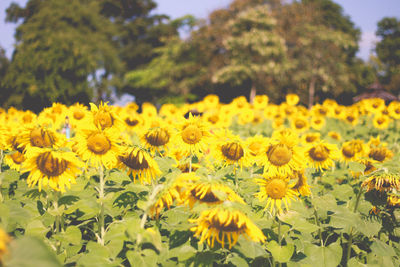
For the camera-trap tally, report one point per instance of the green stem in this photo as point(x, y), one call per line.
point(319, 226)
point(190, 163)
point(350, 243)
point(101, 198)
point(236, 178)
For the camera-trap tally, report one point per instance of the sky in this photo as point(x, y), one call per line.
point(364, 13)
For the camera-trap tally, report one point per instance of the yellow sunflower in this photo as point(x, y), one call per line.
point(210, 192)
point(277, 191)
point(380, 154)
point(299, 124)
point(157, 138)
point(393, 201)
point(301, 185)
point(230, 149)
point(14, 160)
point(354, 149)
point(4, 241)
point(104, 117)
point(97, 147)
point(138, 163)
point(260, 102)
point(192, 136)
point(282, 155)
point(255, 145)
point(334, 135)
point(381, 121)
point(394, 110)
point(321, 155)
point(317, 122)
point(43, 137)
point(292, 99)
point(309, 138)
point(369, 167)
point(225, 225)
point(54, 168)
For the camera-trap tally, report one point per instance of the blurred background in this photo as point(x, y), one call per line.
point(174, 51)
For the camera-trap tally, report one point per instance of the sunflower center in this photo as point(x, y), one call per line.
point(222, 226)
point(136, 162)
point(232, 151)
point(78, 114)
point(276, 188)
point(350, 118)
point(191, 134)
point(319, 153)
point(209, 197)
point(158, 137)
point(279, 154)
point(213, 119)
point(41, 138)
point(104, 119)
point(299, 124)
point(311, 138)
point(131, 121)
point(348, 151)
point(380, 121)
point(51, 166)
point(17, 157)
point(98, 143)
point(378, 154)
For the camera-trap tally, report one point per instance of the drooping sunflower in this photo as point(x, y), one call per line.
point(369, 167)
point(97, 147)
point(225, 225)
point(192, 136)
point(139, 163)
point(382, 182)
point(277, 191)
point(393, 201)
point(43, 137)
point(209, 192)
point(380, 154)
point(230, 149)
point(354, 149)
point(54, 168)
point(283, 155)
point(321, 155)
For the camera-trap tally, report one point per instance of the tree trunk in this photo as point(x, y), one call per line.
point(253, 92)
point(311, 92)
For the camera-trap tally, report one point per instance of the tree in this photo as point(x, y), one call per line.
point(388, 52)
point(255, 52)
point(62, 46)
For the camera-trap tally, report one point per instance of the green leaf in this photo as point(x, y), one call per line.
point(238, 261)
point(329, 256)
point(73, 235)
point(249, 249)
point(325, 203)
point(342, 191)
point(382, 249)
point(135, 259)
point(368, 228)
point(183, 252)
point(9, 176)
point(356, 166)
point(300, 224)
point(36, 228)
point(118, 177)
point(344, 219)
point(96, 256)
point(30, 251)
point(280, 253)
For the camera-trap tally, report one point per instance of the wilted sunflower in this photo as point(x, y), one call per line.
point(157, 139)
point(210, 192)
point(192, 136)
point(4, 241)
point(139, 163)
point(393, 201)
point(277, 191)
point(321, 155)
point(229, 149)
point(55, 168)
point(282, 155)
point(382, 182)
point(225, 225)
point(97, 147)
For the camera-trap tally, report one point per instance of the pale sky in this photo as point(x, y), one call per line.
point(364, 13)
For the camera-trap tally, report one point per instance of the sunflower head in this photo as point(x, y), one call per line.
point(157, 138)
point(225, 225)
point(292, 99)
point(139, 163)
point(382, 182)
point(380, 154)
point(321, 155)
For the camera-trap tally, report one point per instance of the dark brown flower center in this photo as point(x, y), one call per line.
point(51, 166)
point(232, 151)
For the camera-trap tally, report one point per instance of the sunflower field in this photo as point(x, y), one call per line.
point(202, 184)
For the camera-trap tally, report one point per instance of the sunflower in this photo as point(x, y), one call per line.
point(210, 193)
point(260, 102)
point(382, 182)
point(299, 124)
point(97, 147)
point(157, 138)
point(14, 160)
point(43, 137)
point(374, 105)
point(282, 155)
point(380, 154)
point(104, 117)
point(139, 163)
point(354, 149)
point(245, 116)
point(277, 191)
point(225, 224)
point(369, 167)
point(321, 155)
point(229, 149)
point(317, 122)
point(334, 135)
point(192, 136)
point(255, 145)
point(4, 241)
point(211, 101)
point(394, 110)
point(381, 121)
point(301, 185)
point(309, 138)
point(78, 115)
point(292, 99)
point(55, 168)
point(393, 201)
point(351, 117)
